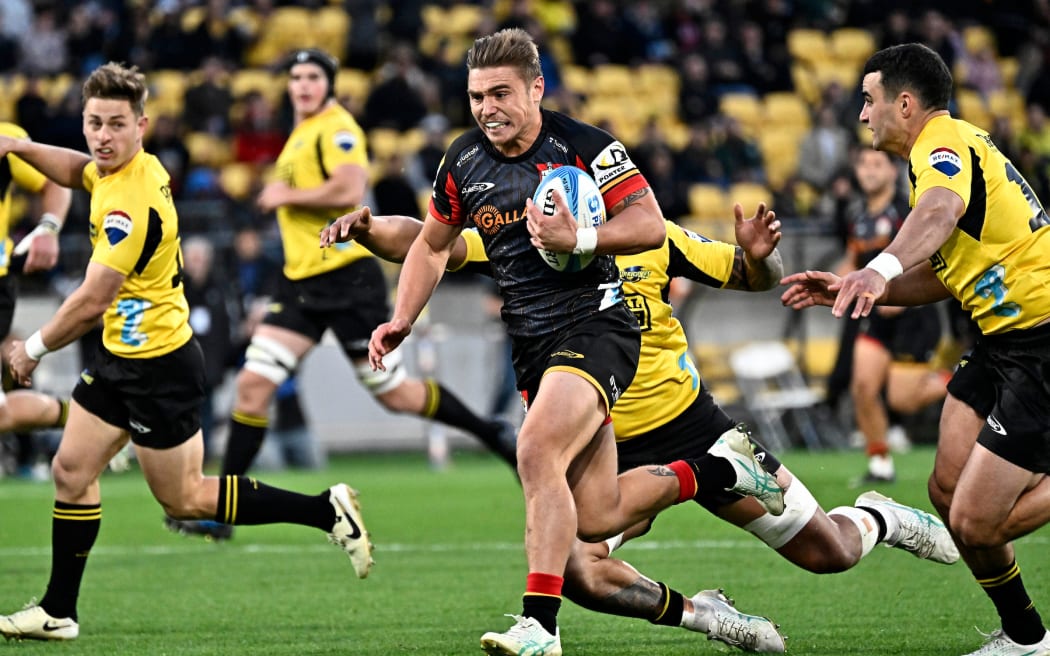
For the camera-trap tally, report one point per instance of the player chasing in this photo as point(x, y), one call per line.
point(147, 384)
point(666, 414)
point(976, 232)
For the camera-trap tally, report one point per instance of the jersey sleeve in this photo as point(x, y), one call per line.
point(26, 176)
point(941, 159)
point(698, 258)
point(130, 235)
point(611, 166)
point(445, 204)
point(89, 176)
point(477, 261)
point(341, 144)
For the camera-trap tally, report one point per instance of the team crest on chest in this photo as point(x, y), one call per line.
point(117, 226)
point(946, 160)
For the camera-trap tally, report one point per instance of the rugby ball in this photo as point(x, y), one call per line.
point(580, 192)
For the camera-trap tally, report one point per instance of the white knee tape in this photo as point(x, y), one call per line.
point(865, 523)
point(799, 508)
point(270, 359)
point(379, 382)
point(614, 543)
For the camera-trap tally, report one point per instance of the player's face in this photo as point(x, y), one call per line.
point(307, 88)
point(113, 132)
point(875, 172)
point(880, 114)
point(506, 107)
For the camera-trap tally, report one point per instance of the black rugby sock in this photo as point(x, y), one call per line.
point(74, 529)
point(246, 501)
point(247, 433)
point(1021, 621)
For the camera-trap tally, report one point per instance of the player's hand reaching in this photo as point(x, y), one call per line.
point(347, 227)
point(22, 366)
point(864, 286)
point(385, 338)
point(760, 234)
point(809, 288)
point(556, 232)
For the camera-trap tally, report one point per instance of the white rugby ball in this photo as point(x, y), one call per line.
point(580, 192)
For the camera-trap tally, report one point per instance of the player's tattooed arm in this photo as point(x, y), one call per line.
point(631, 199)
point(753, 275)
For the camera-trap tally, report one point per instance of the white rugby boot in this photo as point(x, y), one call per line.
point(997, 644)
point(752, 479)
point(526, 638)
point(714, 614)
point(911, 529)
point(349, 531)
point(34, 623)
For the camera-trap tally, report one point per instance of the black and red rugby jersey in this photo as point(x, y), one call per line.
point(476, 184)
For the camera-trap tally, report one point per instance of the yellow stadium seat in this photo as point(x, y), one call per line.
point(846, 73)
point(236, 179)
point(805, 82)
point(808, 45)
point(852, 44)
point(463, 19)
point(658, 80)
point(1008, 68)
point(167, 90)
point(785, 108)
point(780, 154)
point(613, 80)
point(972, 108)
point(978, 37)
point(707, 201)
point(331, 26)
point(255, 79)
point(744, 107)
point(207, 149)
point(383, 142)
point(577, 79)
point(749, 195)
point(354, 83)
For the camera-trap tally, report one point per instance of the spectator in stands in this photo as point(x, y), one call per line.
point(645, 30)
point(65, 122)
point(207, 104)
point(765, 69)
point(697, 101)
point(604, 39)
point(210, 317)
point(980, 71)
point(697, 161)
point(84, 39)
point(257, 139)
point(738, 153)
point(363, 39)
point(396, 100)
point(824, 150)
point(724, 59)
point(938, 33)
point(897, 28)
point(167, 42)
point(216, 35)
point(42, 48)
point(31, 109)
point(166, 144)
point(392, 191)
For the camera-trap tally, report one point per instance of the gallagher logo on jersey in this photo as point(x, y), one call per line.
point(117, 226)
point(947, 161)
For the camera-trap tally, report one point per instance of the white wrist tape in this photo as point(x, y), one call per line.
point(586, 241)
point(35, 348)
point(888, 266)
point(49, 224)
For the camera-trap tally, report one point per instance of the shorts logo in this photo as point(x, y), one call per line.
point(138, 428)
point(345, 141)
point(994, 424)
point(572, 355)
point(117, 226)
point(946, 160)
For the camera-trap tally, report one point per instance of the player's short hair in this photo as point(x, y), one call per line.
point(913, 67)
point(115, 81)
point(328, 63)
point(509, 47)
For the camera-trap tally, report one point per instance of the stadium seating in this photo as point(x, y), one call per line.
point(809, 46)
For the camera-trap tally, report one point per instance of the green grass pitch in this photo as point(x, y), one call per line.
point(450, 563)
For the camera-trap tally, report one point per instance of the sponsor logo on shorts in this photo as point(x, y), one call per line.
point(995, 425)
point(572, 355)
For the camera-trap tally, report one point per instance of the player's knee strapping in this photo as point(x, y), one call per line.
point(379, 381)
point(799, 508)
point(270, 359)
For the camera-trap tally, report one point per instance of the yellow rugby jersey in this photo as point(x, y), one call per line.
point(997, 260)
point(667, 380)
point(134, 230)
point(317, 146)
point(13, 170)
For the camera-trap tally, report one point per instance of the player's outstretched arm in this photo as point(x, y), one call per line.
point(63, 165)
point(388, 236)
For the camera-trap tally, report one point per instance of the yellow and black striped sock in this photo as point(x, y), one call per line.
point(444, 406)
point(74, 528)
point(1021, 621)
point(247, 433)
point(246, 501)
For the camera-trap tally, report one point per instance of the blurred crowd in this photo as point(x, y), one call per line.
point(219, 115)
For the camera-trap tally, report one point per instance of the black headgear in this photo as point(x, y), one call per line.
point(328, 64)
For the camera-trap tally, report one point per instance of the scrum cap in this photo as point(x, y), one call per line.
point(328, 64)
